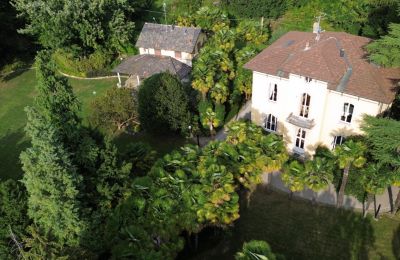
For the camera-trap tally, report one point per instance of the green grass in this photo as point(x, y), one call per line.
point(162, 144)
point(300, 230)
point(18, 91)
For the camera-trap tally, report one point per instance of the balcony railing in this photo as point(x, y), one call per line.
point(300, 121)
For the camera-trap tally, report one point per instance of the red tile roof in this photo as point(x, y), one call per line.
point(352, 74)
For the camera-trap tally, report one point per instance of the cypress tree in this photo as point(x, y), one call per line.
point(51, 178)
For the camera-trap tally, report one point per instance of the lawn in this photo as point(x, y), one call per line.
point(299, 230)
point(18, 91)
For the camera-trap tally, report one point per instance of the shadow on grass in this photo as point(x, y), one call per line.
point(296, 229)
point(396, 243)
point(11, 75)
point(11, 146)
point(162, 143)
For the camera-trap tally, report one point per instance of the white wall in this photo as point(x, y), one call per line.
point(332, 124)
point(326, 107)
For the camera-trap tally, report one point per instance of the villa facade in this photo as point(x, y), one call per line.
point(314, 88)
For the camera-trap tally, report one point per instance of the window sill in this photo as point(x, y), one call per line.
point(298, 150)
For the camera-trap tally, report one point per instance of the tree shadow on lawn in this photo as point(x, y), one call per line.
point(11, 146)
point(396, 243)
point(297, 229)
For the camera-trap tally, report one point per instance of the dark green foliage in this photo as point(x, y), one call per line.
point(384, 139)
point(386, 51)
point(78, 26)
point(164, 104)
point(12, 45)
point(51, 177)
point(116, 110)
point(111, 178)
point(56, 102)
point(189, 190)
point(51, 180)
point(256, 8)
point(13, 220)
point(141, 156)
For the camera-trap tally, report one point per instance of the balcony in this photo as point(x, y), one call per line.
point(300, 121)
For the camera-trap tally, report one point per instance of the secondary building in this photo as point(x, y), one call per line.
point(162, 48)
point(314, 88)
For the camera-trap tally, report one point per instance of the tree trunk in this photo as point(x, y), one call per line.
point(196, 242)
point(212, 131)
point(396, 203)
point(370, 199)
point(290, 195)
point(343, 186)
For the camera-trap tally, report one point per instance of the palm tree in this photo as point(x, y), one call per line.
point(294, 176)
point(349, 154)
point(255, 250)
point(320, 173)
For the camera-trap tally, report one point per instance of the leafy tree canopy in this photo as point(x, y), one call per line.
point(386, 51)
point(116, 110)
point(164, 104)
point(79, 26)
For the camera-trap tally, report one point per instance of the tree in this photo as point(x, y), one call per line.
point(350, 153)
point(374, 178)
point(81, 27)
point(14, 219)
point(386, 51)
point(51, 178)
point(256, 9)
point(256, 250)
point(52, 182)
point(210, 118)
point(294, 176)
point(164, 104)
point(116, 110)
point(384, 142)
point(320, 173)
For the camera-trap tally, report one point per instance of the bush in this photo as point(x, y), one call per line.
point(116, 110)
point(96, 64)
point(164, 104)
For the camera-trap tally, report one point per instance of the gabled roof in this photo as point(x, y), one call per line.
point(147, 65)
point(352, 74)
point(168, 37)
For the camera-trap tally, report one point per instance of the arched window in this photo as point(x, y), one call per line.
point(347, 112)
point(337, 140)
point(271, 123)
point(305, 105)
point(273, 92)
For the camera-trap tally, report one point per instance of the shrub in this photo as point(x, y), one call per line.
point(164, 104)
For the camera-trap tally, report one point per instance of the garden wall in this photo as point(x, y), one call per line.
point(329, 196)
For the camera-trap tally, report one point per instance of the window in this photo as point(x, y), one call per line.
point(271, 123)
point(337, 140)
point(347, 112)
point(300, 138)
point(157, 52)
point(178, 55)
point(308, 79)
point(274, 93)
point(305, 105)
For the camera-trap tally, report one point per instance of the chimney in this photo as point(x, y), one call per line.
point(341, 52)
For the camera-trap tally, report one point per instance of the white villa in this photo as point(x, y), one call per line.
point(314, 88)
